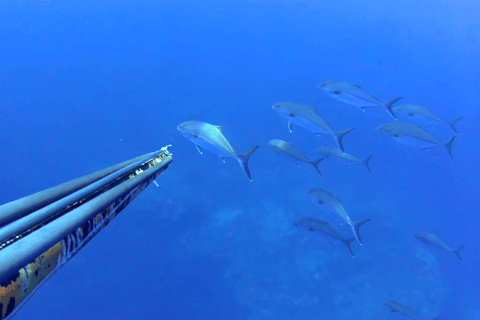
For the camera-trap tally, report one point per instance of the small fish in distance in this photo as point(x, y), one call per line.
point(312, 224)
point(288, 151)
point(424, 116)
point(329, 152)
point(415, 136)
point(307, 117)
point(354, 95)
point(402, 309)
point(330, 202)
point(434, 241)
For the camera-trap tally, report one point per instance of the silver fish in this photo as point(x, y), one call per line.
point(400, 308)
point(413, 135)
point(332, 204)
point(329, 152)
point(312, 224)
point(433, 240)
point(422, 115)
point(288, 151)
point(354, 95)
point(307, 117)
point(211, 137)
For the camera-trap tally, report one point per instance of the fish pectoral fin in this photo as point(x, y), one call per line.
point(199, 149)
point(219, 128)
point(337, 92)
point(396, 135)
point(290, 126)
point(223, 159)
point(292, 115)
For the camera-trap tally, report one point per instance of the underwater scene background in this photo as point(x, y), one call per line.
point(88, 84)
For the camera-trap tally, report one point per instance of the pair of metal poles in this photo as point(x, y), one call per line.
point(41, 232)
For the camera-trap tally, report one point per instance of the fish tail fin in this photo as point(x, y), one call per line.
point(356, 229)
point(339, 137)
point(315, 164)
point(348, 243)
point(448, 145)
point(366, 162)
point(389, 105)
point(451, 123)
point(457, 252)
point(243, 160)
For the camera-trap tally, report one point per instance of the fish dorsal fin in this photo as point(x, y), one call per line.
point(223, 159)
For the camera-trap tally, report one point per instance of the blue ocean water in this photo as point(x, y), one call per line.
point(88, 84)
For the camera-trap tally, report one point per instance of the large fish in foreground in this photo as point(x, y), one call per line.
point(400, 308)
point(332, 204)
point(413, 135)
point(433, 240)
point(211, 137)
point(307, 117)
point(312, 224)
point(329, 152)
point(422, 115)
point(354, 95)
point(288, 151)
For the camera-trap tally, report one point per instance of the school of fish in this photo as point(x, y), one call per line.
point(211, 137)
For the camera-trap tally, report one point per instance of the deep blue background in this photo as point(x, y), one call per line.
point(78, 76)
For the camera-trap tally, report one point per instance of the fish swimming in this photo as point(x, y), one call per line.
point(400, 308)
point(433, 240)
point(422, 115)
point(211, 137)
point(307, 117)
point(329, 152)
point(413, 135)
point(354, 95)
point(332, 204)
point(288, 151)
point(312, 224)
